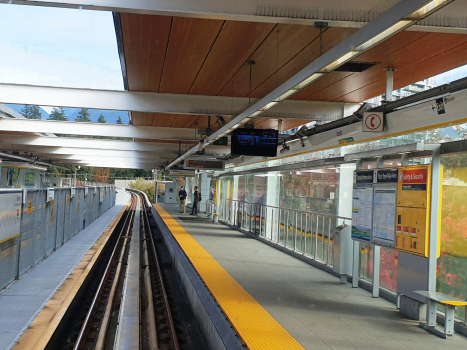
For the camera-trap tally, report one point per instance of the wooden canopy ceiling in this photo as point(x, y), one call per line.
point(209, 57)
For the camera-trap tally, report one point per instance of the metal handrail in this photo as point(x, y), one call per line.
point(301, 211)
point(308, 233)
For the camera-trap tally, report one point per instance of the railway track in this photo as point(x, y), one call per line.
point(132, 297)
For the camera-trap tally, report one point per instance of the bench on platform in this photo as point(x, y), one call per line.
point(450, 304)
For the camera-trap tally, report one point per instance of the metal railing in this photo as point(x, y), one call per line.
point(47, 225)
point(308, 233)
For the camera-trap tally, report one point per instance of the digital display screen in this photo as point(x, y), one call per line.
point(204, 164)
point(254, 142)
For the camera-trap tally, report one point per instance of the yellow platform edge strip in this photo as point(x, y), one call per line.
point(44, 325)
point(254, 325)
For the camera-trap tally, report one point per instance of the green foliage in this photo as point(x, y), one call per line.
point(58, 113)
point(164, 175)
point(143, 185)
point(31, 112)
point(83, 116)
point(119, 120)
point(102, 119)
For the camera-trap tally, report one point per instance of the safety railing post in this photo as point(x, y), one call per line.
point(329, 241)
point(316, 237)
point(295, 231)
point(305, 233)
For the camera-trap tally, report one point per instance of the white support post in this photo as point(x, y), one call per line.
point(389, 83)
point(21, 178)
point(356, 247)
point(37, 179)
point(377, 250)
point(433, 239)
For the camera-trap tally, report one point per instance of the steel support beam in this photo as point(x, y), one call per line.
point(353, 14)
point(95, 129)
point(387, 24)
point(15, 142)
point(166, 103)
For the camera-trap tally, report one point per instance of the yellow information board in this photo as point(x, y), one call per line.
point(414, 208)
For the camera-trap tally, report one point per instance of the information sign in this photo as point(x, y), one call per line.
point(362, 205)
point(10, 218)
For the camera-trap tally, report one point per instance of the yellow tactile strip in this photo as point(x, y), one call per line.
point(255, 326)
point(43, 327)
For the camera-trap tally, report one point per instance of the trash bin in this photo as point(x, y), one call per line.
point(343, 249)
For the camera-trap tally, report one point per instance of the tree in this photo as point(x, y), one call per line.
point(31, 112)
point(143, 185)
point(102, 119)
point(58, 113)
point(119, 120)
point(83, 116)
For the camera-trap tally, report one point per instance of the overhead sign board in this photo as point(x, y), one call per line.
point(204, 164)
point(182, 172)
point(373, 121)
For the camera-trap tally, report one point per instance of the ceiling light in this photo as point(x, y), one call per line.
point(269, 106)
point(425, 10)
point(384, 35)
point(308, 81)
point(286, 95)
point(341, 60)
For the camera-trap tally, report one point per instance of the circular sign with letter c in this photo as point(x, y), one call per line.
point(373, 121)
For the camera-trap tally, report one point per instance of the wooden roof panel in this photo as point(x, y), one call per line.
point(281, 45)
point(331, 37)
point(235, 44)
point(190, 41)
point(145, 41)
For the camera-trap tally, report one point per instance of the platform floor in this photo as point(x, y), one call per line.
point(25, 298)
point(309, 303)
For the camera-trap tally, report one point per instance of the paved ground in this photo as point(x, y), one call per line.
point(24, 299)
point(311, 304)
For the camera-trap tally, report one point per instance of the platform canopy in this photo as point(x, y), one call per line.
point(186, 63)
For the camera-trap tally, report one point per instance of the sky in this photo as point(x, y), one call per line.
point(58, 47)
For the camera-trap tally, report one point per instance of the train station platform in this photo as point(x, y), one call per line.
point(24, 299)
point(275, 301)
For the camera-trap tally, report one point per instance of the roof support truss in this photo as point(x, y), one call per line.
point(166, 103)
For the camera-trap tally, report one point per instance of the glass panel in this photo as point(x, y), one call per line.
point(366, 261)
point(452, 264)
point(388, 268)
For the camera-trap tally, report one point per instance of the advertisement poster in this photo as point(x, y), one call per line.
point(259, 189)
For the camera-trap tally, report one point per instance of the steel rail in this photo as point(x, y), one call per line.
point(160, 282)
point(85, 327)
point(108, 309)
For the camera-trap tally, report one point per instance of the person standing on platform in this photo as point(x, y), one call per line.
point(196, 200)
point(182, 196)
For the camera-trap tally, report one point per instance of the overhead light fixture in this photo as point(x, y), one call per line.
point(427, 9)
point(285, 148)
point(286, 95)
point(395, 28)
point(268, 106)
point(308, 81)
point(341, 60)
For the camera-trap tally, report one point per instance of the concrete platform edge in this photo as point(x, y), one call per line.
point(217, 330)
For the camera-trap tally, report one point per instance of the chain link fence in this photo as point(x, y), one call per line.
point(47, 225)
